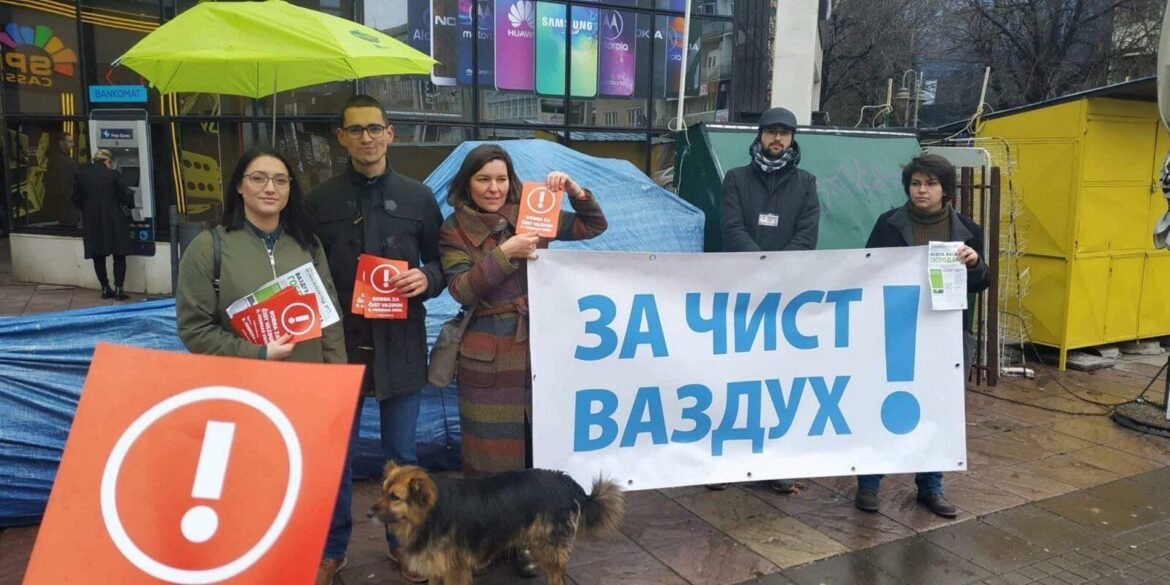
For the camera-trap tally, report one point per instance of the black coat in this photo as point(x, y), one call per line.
point(100, 193)
point(894, 230)
point(394, 217)
point(791, 197)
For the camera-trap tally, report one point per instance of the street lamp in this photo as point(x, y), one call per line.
point(910, 93)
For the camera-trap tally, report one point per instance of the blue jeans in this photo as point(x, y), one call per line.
point(341, 524)
point(929, 482)
point(399, 420)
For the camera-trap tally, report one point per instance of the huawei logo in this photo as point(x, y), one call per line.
point(613, 25)
point(523, 12)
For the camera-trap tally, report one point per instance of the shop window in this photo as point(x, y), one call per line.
point(42, 162)
point(704, 86)
point(108, 33)
point(41, 64)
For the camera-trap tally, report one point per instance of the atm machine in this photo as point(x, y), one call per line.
point(126, 133)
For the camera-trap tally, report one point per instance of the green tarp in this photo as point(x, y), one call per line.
point(858, 175)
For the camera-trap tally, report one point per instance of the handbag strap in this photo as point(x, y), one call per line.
point(216, 265)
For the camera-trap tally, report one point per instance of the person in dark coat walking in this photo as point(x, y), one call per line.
point(770, 205)
point(100, 194)
point(372, 209)
point(927, 217)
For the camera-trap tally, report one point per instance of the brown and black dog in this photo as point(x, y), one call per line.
point(449, 527)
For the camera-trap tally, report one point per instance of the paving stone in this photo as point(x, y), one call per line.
point(1071, 578)
point(917, 560)
point(840, 570)
point(713, 559)
point(1043, 528)
point(785, 541)
point(634, 569)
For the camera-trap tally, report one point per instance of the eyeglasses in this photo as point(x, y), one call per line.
point(260, 179)
point(375, 130)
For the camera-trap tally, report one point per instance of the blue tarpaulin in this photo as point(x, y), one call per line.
point(44, 358)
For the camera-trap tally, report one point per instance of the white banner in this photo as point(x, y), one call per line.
point(662, 370)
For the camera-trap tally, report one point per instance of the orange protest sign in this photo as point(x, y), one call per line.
point(379, 296)
point(197, 469)
point(540, 210)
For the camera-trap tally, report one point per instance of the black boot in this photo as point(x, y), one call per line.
point(525, 564)
point(120, 294)
point(107, 292)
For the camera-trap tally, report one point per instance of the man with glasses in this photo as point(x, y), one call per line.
point(769, 204)
point(372, 209)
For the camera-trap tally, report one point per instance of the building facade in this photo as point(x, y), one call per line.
point(603, 77)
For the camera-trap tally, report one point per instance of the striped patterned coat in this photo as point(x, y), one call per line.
point(494, 374)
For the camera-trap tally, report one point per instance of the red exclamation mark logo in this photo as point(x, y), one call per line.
point(200, 523)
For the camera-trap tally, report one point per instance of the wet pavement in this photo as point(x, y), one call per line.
point(1056, 494)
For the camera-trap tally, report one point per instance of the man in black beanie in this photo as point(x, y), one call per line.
point(770, 205)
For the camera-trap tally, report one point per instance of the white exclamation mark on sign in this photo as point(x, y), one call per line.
point(386, 278)
point(540, 201)
point(200, 522)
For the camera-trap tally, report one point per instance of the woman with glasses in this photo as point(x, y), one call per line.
point(264, 233)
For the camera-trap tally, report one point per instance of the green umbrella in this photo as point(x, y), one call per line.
point(256, 49)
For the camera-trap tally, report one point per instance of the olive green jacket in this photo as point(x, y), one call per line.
point(245, 266)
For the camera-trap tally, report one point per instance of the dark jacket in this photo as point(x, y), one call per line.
point(245, 266)
point(893, 230)
point(749, 194)
point(99, 193)
point(394, 217)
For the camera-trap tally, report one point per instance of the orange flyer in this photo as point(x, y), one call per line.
point(183, 468)
point(287, 311)
point(358, 305)
point(379, 296)
point(540, 210)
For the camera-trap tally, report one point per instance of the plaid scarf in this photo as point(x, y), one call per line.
point(790, 157)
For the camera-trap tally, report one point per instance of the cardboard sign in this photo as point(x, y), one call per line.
point(540, 210)
point(287, 311)
point(378, 297)
point(197, 469)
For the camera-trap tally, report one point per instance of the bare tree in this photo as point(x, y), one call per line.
point(865, 43)
point(1041, 49)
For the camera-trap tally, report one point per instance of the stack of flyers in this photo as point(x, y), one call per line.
point(540, 210)
point(286, 312)
point(305, 280)
point(373, 295)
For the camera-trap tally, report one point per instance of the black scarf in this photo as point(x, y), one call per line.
point(790, 158)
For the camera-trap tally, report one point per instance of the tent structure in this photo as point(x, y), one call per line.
point(858, 175)
point(44, 358)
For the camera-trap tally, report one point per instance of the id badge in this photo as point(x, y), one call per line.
point(769, 219)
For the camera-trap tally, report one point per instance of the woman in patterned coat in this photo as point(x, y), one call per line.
point(485, 262)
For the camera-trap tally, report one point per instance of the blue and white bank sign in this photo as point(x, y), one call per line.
point(662, 370)
point(117, 93)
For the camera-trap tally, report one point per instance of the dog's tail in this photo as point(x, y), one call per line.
point(603, 511)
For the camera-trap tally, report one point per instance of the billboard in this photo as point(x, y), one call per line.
point(526, 46)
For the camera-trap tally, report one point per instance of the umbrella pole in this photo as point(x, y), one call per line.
point(273, 132)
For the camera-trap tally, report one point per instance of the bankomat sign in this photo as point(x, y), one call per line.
point(34, 54)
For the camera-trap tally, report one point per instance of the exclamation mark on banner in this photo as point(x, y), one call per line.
point(200, 522)
point(900, 410)
point(540, 200)
point(386, 278)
